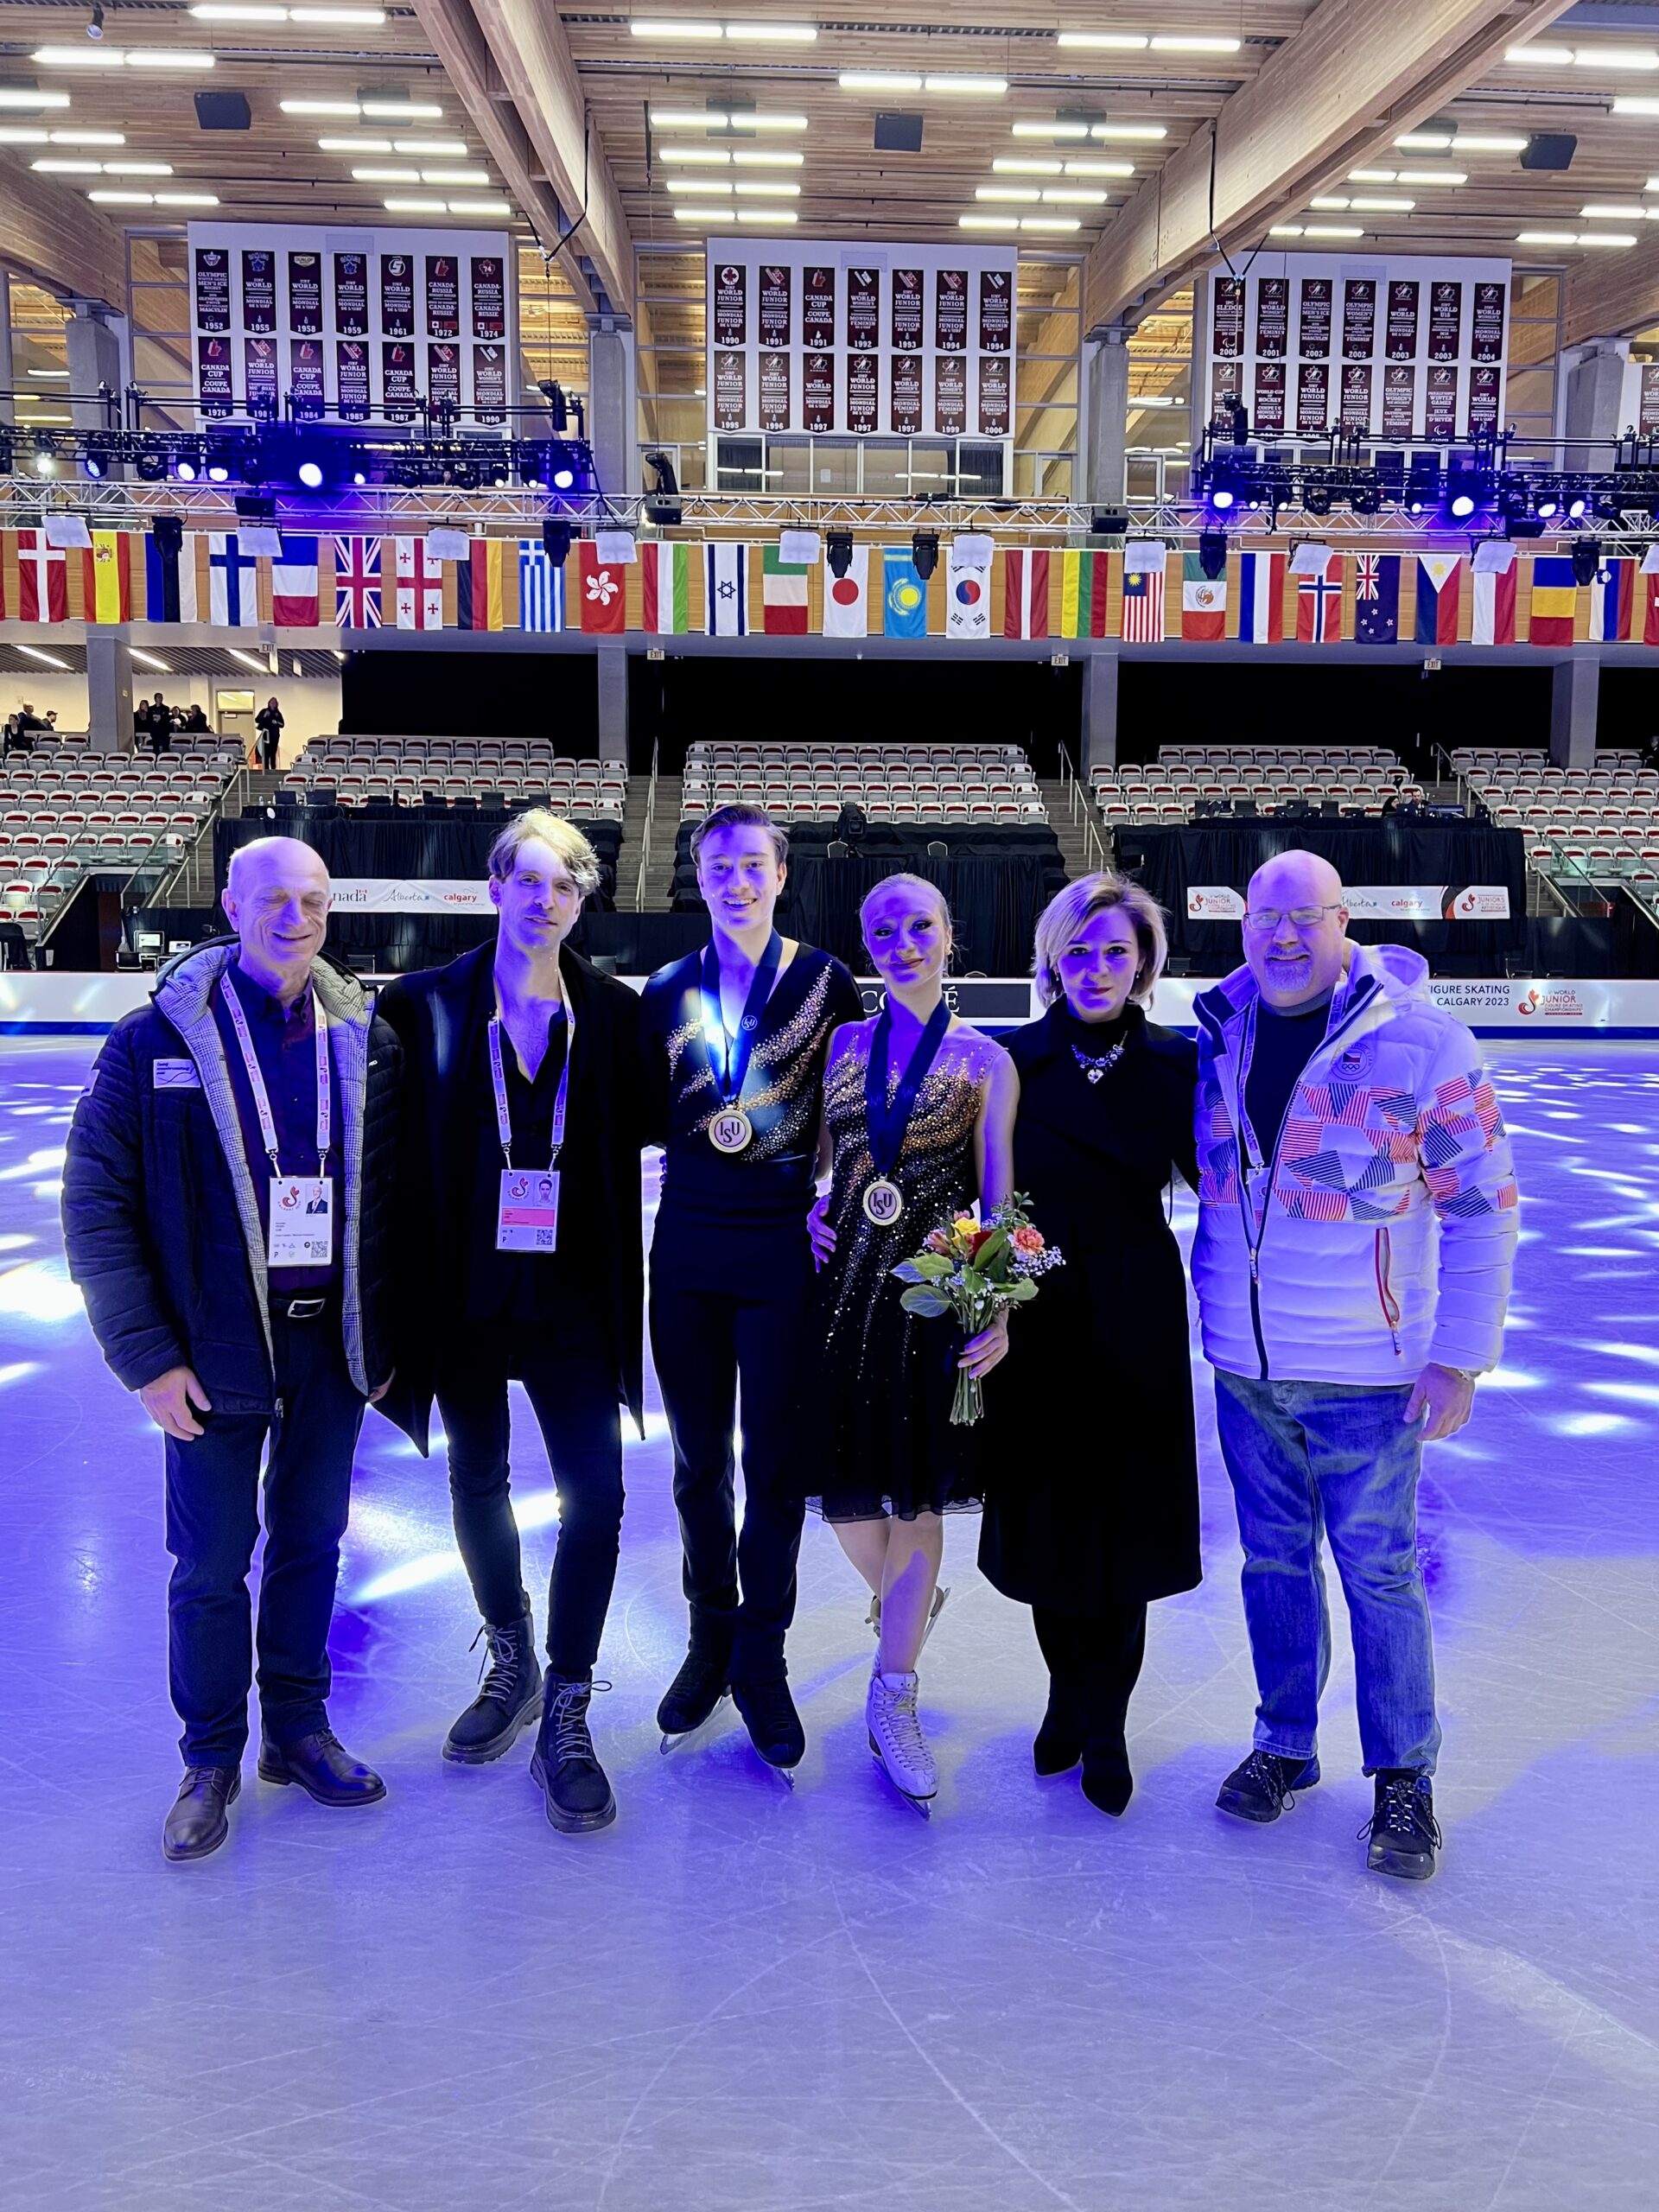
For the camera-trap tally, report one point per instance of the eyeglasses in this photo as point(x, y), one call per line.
point(1262, 919)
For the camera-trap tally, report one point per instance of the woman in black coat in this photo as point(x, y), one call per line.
point(1097, 1512)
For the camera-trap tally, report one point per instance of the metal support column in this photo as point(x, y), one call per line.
point(1574, 688)
point(109, 688)
point(1098, 748)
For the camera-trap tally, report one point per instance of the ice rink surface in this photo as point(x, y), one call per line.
point(739, 1999)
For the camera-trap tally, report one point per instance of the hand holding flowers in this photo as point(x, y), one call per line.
point(975, 1272)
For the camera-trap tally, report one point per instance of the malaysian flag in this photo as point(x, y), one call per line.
point(357, 583)
point(1143, 609)
point(541, 587)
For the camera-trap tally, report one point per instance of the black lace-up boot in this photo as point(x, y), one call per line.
point(509, 1695)
point(1264, 1785)
point(774, 1726)
point(702, 1680)
point(565, 1766)
point(1402, 1830)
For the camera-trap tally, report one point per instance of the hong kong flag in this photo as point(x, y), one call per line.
point(600, 593)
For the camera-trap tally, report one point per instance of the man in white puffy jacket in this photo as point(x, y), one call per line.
point(1356, 1231)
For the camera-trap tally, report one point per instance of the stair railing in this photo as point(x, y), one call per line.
point(645, 840)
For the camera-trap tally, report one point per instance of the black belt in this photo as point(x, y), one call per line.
point(311, 1308)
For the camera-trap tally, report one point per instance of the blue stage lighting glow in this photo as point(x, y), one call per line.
point(185, 470)
point(1575, 508)
point(311, 475)
point(1463, 505)
point(93, 466)
point(564, 479)
point(217, 472)
point(1221, 500)
point(1545, 508)
point(16, 1370)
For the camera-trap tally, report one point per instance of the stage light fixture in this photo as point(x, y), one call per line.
point(1316, 496)
point(310, 475)
point(1577, 507)
point(1212, 553)
point(662, 500)
point(1462, 505)
point(1586, 559)
point(1222, 497)
point(152, 466)
point(924, 552)
point(1423, 483)
point(1367, 498)
point(1549, 506)
point(838, 551)
point(187, 463)
point(555, 540)
point(1108, 522)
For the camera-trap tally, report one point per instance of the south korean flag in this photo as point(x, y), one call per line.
point(968, 587)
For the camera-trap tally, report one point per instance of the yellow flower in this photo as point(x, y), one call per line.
point(964, 1224)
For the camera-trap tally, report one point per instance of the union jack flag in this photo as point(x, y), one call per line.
point(1367, 584)
point(357, 583)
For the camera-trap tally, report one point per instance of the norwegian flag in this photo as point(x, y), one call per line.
point(420, 588)
point(357, 583)
point(1318, 608)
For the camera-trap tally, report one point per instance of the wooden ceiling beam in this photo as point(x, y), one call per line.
point(1612, 298)
point(53, 235)
point(1335, 95)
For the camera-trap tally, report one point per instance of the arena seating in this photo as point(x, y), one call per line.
point(1602, 821)
point(66, 809)
point(429, 771)
point(964, 785)
point(1183, 776)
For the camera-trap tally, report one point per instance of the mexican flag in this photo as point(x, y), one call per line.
point(1203, 601)
point(783, 594)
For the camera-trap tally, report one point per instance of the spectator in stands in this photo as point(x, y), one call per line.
point(156, 724)
point(269, 722)
point(20, 729)
point(256, 1081)
point(1105, 1120)
point(1340, 1115)
point(196, 719)
point(734, 1039)
point(524, 1262)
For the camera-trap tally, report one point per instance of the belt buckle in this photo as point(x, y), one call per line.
point(305, 1309)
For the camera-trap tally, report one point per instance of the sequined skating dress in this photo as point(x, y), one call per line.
point(877, 1427)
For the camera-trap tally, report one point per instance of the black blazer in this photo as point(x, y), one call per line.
point(441, 1014)
point(1099, 1500)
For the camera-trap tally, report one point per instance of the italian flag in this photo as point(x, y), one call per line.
point(783, 594)
point(666, 587)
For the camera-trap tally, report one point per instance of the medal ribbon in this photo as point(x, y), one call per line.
point(257, 1081)
point(499, 1084)
point(886, 1124)
point(728, 1056)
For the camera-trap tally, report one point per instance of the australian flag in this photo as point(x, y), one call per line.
point(1377, 599)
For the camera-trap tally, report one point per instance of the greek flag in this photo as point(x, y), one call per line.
point(541, 588)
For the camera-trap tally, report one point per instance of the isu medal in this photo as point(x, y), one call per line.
point(883, 1203)
point(731, 1131)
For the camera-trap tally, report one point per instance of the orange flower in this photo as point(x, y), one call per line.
point(1027, 1239)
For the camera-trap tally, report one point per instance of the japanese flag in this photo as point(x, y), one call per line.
point(847, 599)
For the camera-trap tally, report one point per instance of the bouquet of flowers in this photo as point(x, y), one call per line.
point(973, 1269)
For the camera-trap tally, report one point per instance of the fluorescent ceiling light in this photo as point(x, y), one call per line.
point(122, 199)
point(57, 375)
point(759, 158)
point(1027, 192)
point(24, 96)
point(772, 33)
point(1489, 143)
point(704, 215)
point(994, 86)
point(1129, 130)
point(1097, 169)
point(386, 176)
point(709, 156)
point(1378, 206)
point(441, 148)
point(248, 660)
point(1546, 238)
point(689, 119)
point(455, 176)
point(1333, 231)
point(1616, 213)
point(1073, 196)
point(89, 137)
point(480, 207)
point(1117, 41)
point(68, 167)
point(1012, 165)
point(186, 199)
point(686, 28)
point(1158, 399)
point(1182, 44)
point(321, 107)
point(1284, 230)
point(1616, 57)
point(232, 11)
point(1605, 238)
point(1629, 104)
point(753, 120)
point(150, 660)
point(19, 134)
point(1539, 57)
point(38, 653)
point(354, 145)
point(414, 206)
point(1448, 179)
point(703, 184)
point(402, 111)
point(768, 215)
point(878, 80)
point(1050, 130)
point(323, 17)
point(988, 222)
point(1372, 177)
point(1324, 199)
point(1426, 142)
point(1050, 222)
point(137, 168)
point(1652, 184)
point(118, 57)
point(762, 188)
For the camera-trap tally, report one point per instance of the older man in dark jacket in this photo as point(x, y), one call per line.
point(225, 1192)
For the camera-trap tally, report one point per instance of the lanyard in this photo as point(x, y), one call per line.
point(886, 1123)
point(499, 1084)
point(728, 1056)
point(257, 1081)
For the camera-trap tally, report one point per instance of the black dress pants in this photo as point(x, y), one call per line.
point(212, 1525)
point(1094, 1663)
point(572, 1390)
point(729, 1306)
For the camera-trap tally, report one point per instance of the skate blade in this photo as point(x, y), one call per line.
point(688, 1735)
point(922, 1805)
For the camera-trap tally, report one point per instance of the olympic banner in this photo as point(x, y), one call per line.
point(1374, 902)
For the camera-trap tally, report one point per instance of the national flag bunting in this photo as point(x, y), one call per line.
point(904, 595)
point(109, 576)
point(602, 593)
point(1440, 578)
point(481, 585)
point(847, 599)
point(294, 584)
point(42, 579)
point(541, 587)
point(1554, 601)
point(967, 595)
point(1203, 602)
point(232, 594)
point(783, 594)
point(1262, 598)
point(725, 591)
point(1494, 594)
point(1319, 604)
point(170, 579)
point(1143, 607)
point(1024, 593)
point(419, 586)
point(357, 583)
point(1377, 599)
point(1650, 611)
point(1613, 601)
point(665, 587)
point(1084, 578)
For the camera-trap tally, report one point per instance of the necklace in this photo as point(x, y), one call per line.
point(1095, 1065)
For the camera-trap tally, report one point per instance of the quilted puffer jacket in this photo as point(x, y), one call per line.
point(1381, 1236)
point(160, 1219)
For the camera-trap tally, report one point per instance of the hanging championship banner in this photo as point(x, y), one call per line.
point(1227, 323)
point(1648, 419)
point(1313, 398)
point(258, 291)
point(818, 391)
point(1357, 397)
point(862, 399)
point(1399, 402)
point(1403, 296)
point(305, 295)
point(731, 411)
point(213, 380)
point(906, 414)
point(993, 397)
point(489, 289)
point(443, 375)
point(352, 295)
point(213, 267)
point(1485, 388)
point(863, 310)
point(1487, 335)
point(442, 296)
point(731, 304)
point(950, 398)
point(1268, 413)
point(397, 380)
point(773, 330)
point(1359, 319)
point(995, 311)
point(1273, 317)
point(908, 302)
point(1445, 319)
point(1313, 323)
point(774, 391)
point(351, 379)
point(397, 296)
point(950, 310)
point(305, 374)
point(259, 375)
point(1441, 403)
point(818, 306)
point(489, 383)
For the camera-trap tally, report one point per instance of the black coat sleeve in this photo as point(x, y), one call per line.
point(652, 1053)
point(104, 1232)
point(1182, 1133)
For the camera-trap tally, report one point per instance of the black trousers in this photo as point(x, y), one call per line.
point(728, 1312)
point(1094, 1663)
point(572, 1391)
point(212, 1525)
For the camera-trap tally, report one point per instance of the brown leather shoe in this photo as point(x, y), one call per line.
point(323, 1769)
point(198, 1820)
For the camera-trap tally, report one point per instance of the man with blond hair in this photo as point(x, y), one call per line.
point(1356, 1231)
point(224, 1211)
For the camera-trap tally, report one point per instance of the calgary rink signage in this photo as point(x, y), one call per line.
point(360, 325)
point(1375, 902)
point(1385, 349)
point(897, 341)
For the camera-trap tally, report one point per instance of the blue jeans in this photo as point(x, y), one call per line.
point(1309, 1460)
